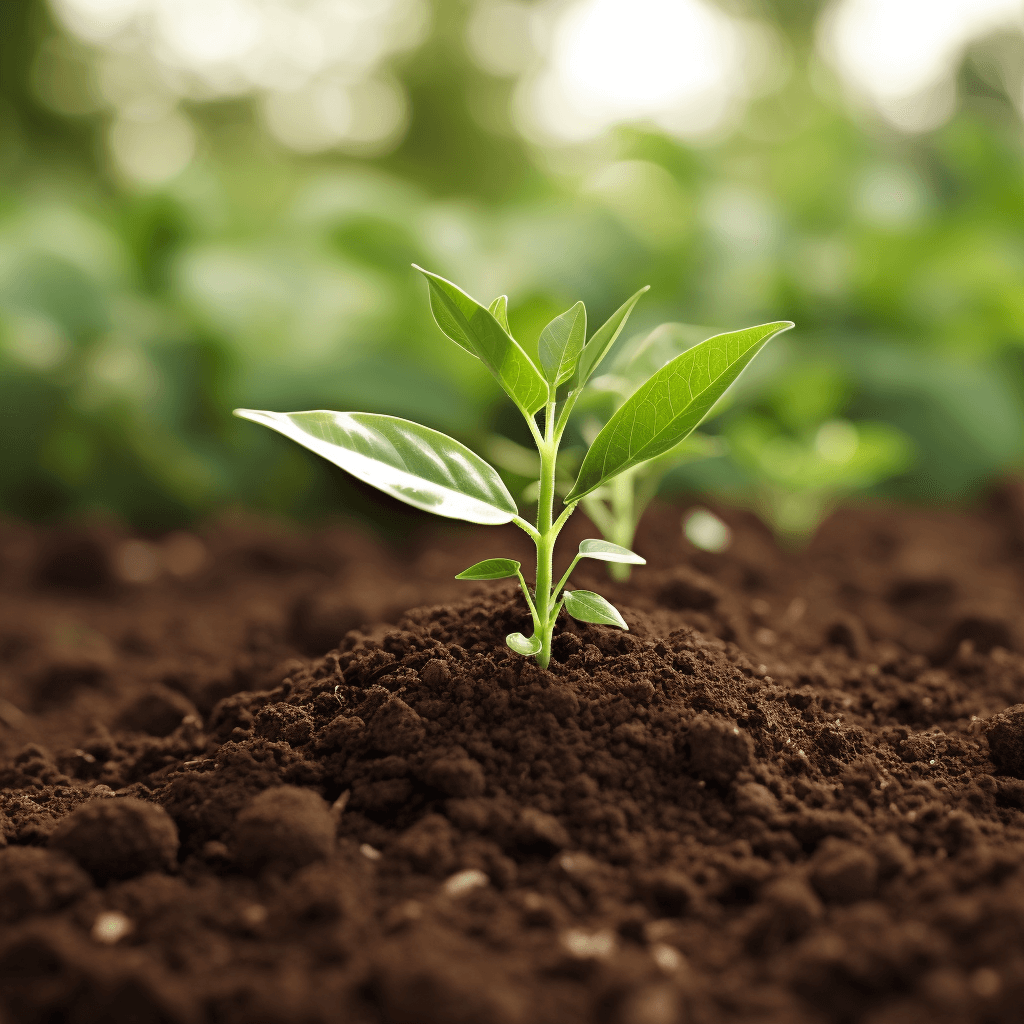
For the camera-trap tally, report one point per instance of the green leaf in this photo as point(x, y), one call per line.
point(526, 646)
point(670, 405)
point(476, 330)
point(422, 467)
point(605, 551)
point(499, 310)
point(586, 606)
point(561, 343)
point(603, 338)
point(491, 569)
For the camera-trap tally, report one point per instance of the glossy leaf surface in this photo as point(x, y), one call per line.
point(526, 646)
point(670, 405)
point(422, 467)
point(491, 569)
point(603, 338)
point(606, 551)
point(476, 330)
point(586, 606)
point(561, 343)
point(499, 310)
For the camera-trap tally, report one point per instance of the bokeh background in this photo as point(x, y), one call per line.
point(214, 203)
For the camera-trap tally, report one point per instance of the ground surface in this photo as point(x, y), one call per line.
point(789, 794)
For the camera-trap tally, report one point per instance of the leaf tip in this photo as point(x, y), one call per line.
point(256, 415)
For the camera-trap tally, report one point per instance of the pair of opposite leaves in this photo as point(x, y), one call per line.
point(434, 472)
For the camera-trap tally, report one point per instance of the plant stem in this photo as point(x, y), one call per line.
point(546, 543)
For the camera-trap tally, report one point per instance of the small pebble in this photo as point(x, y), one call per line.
point(370, 852)
point(667, 957)
point(585, 945)
point(463, 882)
point(111, 927)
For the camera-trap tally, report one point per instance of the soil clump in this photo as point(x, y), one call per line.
point(256, 776)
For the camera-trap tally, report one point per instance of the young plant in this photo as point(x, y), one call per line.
point(433, 472)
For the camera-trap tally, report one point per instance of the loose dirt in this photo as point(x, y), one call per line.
point(242, 782)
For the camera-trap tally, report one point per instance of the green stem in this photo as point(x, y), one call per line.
point(546, 544)
point(529, 600)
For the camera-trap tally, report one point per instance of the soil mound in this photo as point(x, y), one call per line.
point(261, 791)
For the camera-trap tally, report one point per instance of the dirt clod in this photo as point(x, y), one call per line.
point(1005, 733)
point(283, 829)
point(118, 838)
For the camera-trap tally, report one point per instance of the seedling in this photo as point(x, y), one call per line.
point(428, 470)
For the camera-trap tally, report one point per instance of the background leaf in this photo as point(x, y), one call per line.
point(586, 606)
point(491, 569)
point(561, 343)
point(670, 405)
point(606, 551)
point(422, 467)
point(475, 329)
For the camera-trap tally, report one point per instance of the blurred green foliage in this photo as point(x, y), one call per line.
point(132, 320)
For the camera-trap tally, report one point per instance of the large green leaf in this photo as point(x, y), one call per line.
point(491, 569)
point(586, 606)
point(561, 343)
point(475, 329)
point(602, 340)
point(670, 405)
point(417, 465)
point(606, 551)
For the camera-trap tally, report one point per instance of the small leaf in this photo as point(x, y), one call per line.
point(499, 310)
point(526, 646)
point(586, 606)
point(561, 343)
point(660, 413)
point(491, 569)
point(476, 330)
point(605, 551)
point(603, 338)
point(422, 467)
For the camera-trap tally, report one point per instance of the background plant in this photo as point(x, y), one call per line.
point(616, 507)
point(135, 310)
point(433, 472)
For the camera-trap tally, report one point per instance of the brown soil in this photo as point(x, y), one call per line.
point(791, 793)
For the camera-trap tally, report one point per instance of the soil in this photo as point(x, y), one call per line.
point(241, 782)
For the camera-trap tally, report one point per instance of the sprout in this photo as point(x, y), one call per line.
point(433, 472)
